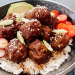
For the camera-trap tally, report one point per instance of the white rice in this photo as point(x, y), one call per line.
point(10, 66)
point(56, 61)
point(31, 67)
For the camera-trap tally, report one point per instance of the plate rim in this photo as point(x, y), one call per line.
point(72, 66)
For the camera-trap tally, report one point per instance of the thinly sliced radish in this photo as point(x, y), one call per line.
point(3, 43)
point(2, 53)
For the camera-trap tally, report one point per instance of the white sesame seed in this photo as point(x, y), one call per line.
point(31, 29)
point(38, 29)
point(28, 28)
point(18, 51)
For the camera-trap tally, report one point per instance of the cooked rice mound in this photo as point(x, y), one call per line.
point(31, 67)
point(10, 66)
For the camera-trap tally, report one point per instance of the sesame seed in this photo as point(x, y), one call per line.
point(18, 51)
point(28, 28)
point(21, 23)
point(31, 30)
point(20, 48)
point(38, 29)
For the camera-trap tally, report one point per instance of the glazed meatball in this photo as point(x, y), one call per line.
point(31, 30)
point(46, 32)
point(19, 24)
point(60, 41)
point(38, 52)
point(16, 51)
point(40, 13)
point(10, 16)
point(53, 23)
point(7, 31)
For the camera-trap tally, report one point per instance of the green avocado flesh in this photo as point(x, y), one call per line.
point(21, 7)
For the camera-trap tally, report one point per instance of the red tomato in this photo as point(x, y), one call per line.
point(56, 13)
point(3, 43)
point(62, 26)
point(69, 28)
point(72, 31)
point(62, 18)
point(68, 23)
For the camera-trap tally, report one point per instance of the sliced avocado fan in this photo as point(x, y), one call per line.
point(20, 7)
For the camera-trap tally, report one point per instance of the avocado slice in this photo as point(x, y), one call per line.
point(21, 7)
point(18, 3)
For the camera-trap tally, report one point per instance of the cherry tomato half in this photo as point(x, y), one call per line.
point(56, 13)
point(62, 18)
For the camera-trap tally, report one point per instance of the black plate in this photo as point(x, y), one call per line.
point(70, 63)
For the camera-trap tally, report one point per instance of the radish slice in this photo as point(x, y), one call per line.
point(3, 43)
point(2, 53)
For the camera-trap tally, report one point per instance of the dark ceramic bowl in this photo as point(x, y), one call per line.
point(69, 64)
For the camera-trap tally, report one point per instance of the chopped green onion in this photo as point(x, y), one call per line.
point(6, 22)
point(20, 16)
point(19, 36)
point(48, 46)
point(52, 14)
point(59, 31)
point(25, 20)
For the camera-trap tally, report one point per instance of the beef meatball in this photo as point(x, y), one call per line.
point(53, 23)
point(46, 32)
point(10, 16)
point(7, 31)
point(38, 52)
point(16, 51)
point(31, 30)
point(19, 24)
point(60, 41)
point(40, 13)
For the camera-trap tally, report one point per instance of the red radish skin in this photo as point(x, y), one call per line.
point(3, 43)
point(2, 53)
